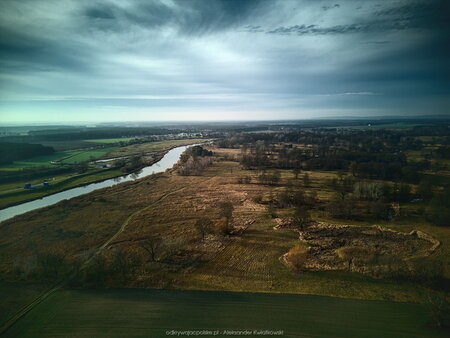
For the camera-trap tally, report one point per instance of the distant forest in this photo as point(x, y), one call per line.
point(10, 152)
point(87, 134)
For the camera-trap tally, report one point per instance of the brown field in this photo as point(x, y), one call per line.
point(167, 206)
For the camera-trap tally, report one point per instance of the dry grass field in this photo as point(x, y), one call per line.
point(167, 206)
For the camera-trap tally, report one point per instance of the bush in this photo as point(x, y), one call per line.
point(301, 218)
point(342, 208)
point(296, 257)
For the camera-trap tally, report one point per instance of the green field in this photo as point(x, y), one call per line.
point(13, 193)
point(87, 155)
point(67, 156)
point(60, 183)
point(111, 140)
point(15, 295)
point(151, 313)
point(40, 161)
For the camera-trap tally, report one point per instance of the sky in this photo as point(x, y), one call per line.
point(67, 61)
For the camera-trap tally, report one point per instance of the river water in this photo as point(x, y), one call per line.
point(168, 161)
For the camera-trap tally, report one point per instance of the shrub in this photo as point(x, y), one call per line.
point(296, 257)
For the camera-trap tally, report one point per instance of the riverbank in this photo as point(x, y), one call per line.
point(23, 196)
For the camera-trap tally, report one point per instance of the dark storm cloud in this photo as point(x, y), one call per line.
point(188, 17)
point(22, 51)
point(100, 12)
point(371, 27)
point(280, 58)
point(431, 15)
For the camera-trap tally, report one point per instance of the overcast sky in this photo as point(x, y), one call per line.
point(222, 60)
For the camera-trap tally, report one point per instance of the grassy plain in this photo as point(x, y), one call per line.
point(167, 206)
point(151, 313)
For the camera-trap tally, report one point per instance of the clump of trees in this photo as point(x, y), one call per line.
point(46, 266)
point(193, 167)
point(194, 161)
point(301, 218)
point(203, 226)
point(343, 208)
point(129, 165)
point(269, 178)
point(10, 152)
point(290, 198)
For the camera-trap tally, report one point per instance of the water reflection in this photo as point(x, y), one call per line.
point(169, 159)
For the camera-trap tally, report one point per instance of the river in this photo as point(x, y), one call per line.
point(167, 162)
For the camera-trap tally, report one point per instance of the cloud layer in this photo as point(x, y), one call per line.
point(194, 59)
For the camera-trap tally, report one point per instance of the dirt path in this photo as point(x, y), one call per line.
point(127, 221)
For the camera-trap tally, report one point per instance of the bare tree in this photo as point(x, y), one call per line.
point(152, 245)
point(203, 226)
point(301, 217)
point(119, 262)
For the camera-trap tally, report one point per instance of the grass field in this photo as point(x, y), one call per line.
point(151, 313)
point(14, 295)
point(40, 161)
point(67, 156)
point(88, 155)
point(60, 183)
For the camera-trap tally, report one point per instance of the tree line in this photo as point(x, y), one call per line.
point(10, 152)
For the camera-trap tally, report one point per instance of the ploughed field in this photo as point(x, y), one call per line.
point(161, 313)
